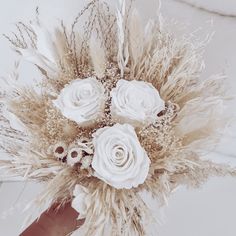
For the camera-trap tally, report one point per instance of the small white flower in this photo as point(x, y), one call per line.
point(81, 201)
point(60, 150)
point(82, 101)
point(119, 160)
point(86, 145)
point(74, 156)
point(135, 102)
point(86, 162)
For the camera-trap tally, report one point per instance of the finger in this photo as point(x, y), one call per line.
point(55, 222)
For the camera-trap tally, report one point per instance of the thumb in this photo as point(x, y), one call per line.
point(55, 222)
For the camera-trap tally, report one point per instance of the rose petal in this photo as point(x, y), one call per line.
point(130, 168)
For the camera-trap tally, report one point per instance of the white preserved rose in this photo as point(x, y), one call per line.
point(82, 101)
point(81, 201)
point(135, 102)
point(119, 160)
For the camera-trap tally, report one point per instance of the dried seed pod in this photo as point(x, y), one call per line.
point(83, 142)
point(87, 151)
point(60, 150)
point(74, 156)
point(86, 145)
point(86, 162)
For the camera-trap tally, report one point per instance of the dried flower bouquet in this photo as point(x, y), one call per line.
point(120, 110)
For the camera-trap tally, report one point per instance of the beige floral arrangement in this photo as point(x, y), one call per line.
point(120, 110)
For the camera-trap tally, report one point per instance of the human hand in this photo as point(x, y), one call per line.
point(55, 222)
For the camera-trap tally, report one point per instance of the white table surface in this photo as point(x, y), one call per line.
point(209, 211)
